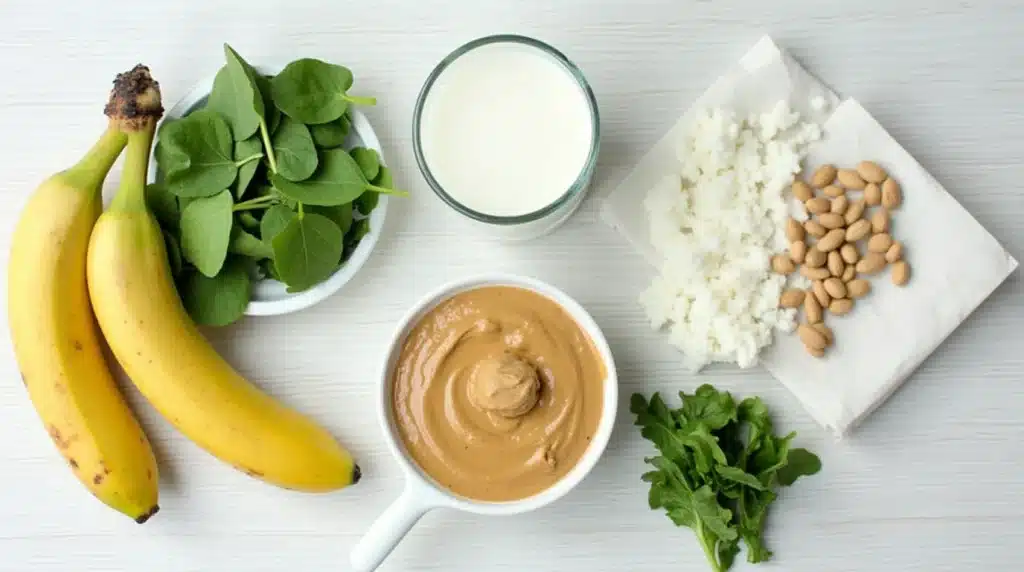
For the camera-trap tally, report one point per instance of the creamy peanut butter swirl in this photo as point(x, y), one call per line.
point(497, 393)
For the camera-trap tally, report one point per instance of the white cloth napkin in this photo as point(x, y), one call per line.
point(955, 262)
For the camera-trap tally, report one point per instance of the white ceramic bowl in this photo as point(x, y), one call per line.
point(269, 297)
point(421, 492)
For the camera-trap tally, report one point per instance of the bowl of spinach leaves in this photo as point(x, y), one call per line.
point(270, 188)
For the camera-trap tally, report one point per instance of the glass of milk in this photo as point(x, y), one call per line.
point(506, 132)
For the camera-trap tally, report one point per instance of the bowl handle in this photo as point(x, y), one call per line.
point(390, 527)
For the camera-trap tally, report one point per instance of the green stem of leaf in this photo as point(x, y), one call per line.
point(302, 211)
point(709, 545)
point(248, 159)
point(265, 135)
point(386, 191)
point(358, 100)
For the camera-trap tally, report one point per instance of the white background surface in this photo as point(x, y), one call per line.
point(932, 481)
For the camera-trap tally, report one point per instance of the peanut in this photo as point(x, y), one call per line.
point(858, 288)
point(818, 205)
point(854, 211)
point(831, 220)
point(850, 179)
point(792, 298)
point(814, 273)
point(858, 230)
point(872, 195)
point(892, 197)
point(880, 243)
point(835, 288)
point(798, 251)
point(835, 263)
point(900, 272)
point(824, 298)
point(872, 263)
point(823, 176)
point(841, 306)
point(880, 221)
point(815, 258)
point(895, 252)
point(831, 241)
point(849, 253)
point(840, 204)
point(811, 337)
point(814, 228)
point(812, 309)
point(871, 172)
point(783, 264)
point(794, 230)
point(802, 191)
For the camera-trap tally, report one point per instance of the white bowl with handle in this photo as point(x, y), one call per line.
point(421, 493)
point(269, 297)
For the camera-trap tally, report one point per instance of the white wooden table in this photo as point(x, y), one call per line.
point(933, 480)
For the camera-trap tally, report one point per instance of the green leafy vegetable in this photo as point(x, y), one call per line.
point(163, 204)
point(200, 152)
point(246, 102)
point(247, 152)
point(338, 181)
point(248, 221)
point(220, 300)
point(332, 134)
point(294, 150)
point(206, 231)
point(271, 113)
point(717, 468)
point(248, 245)
point(307, 250)
point(341, 215)
point(313, 91)
point(274, 220)
point(367, 202)
point(368, 161)
point(173, 253)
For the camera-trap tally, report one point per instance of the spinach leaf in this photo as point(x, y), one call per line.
point(307, 250)
point(220, 300)
point(248, 220)
point(173, 253)
point(246, 100)
point(331, 134)
point(359, 230)
point(206, 231)
point(268, 269)
point(247, 152)
point(270, 112)
point(225, 100)
point(274, 220)
point(163, 205)
point(368, 161)
point(201, 154)
point(367, 202)
point(293, 147)
point(341, 215)
point(248, 245)
point(313, 91)
point(336, 182)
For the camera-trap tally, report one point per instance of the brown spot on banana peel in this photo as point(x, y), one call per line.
point(357, 474)
point(73, 463)
point(77, 345)
point(97, 479)
point(141, 519)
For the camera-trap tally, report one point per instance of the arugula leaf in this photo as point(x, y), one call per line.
point(206, 231)
point(331, 134)
point(248, 245)
point(274, 220)
point(247, 152)
point(717, 468)
point(313, 91)
point(293, 147)
point(198, 154)
point(338, 181)
point(162, 204)
point(220, 300)
point(368, 161)
point(307, 250)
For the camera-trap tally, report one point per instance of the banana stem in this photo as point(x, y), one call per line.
point(131, 195)
point(90, 171)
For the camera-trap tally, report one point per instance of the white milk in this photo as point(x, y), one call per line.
point(506, 129)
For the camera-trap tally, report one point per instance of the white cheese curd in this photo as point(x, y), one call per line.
point(716, 224)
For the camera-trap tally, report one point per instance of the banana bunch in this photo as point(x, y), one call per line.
point(71, 268)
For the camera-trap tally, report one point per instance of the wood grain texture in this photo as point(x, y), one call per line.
point(932, 481)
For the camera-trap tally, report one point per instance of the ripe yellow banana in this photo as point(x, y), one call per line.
point(57, 343)
point(176, 369)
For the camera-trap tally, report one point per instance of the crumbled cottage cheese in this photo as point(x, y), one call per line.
point(716, 225)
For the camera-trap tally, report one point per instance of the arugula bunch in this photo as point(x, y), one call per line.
point(718, 465)
point(258, 183)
